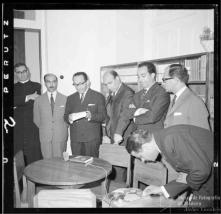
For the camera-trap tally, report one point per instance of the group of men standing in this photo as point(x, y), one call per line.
point(123, 111)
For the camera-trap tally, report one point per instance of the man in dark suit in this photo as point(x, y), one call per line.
point(85, 112)
point(149, 106)
point(119, 98)
point(189, 149)
point(26, 134)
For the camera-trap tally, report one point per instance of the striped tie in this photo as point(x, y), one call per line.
point(82, 98)
point(173, 101)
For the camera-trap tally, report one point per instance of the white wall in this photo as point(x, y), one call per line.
point(85, 40)
point(32, 57)
point(175, 32)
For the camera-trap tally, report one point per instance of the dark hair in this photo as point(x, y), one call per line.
point(49, 74)
point(19, 65)
point(81, 73)
point(151, 68)
point(114, 73)
point(179, 71)
point(137, 139)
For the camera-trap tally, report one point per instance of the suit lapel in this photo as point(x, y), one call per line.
point(179, 101)
point(119, 93)
point(148, 95)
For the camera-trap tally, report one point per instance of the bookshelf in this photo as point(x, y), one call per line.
point(200, 68)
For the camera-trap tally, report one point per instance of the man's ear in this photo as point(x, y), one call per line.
point(153, 75)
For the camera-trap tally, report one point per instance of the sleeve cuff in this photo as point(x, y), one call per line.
point(26, 99)
point(166, 194)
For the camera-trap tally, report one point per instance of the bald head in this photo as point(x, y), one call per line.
point(112, 80)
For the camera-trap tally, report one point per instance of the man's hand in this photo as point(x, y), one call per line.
point(70, 119)
point(181, 178)
point(140, 111)
point(152, 190)
point(117, 138)
point(32, 96)
point(88, 115)
point(106, 139)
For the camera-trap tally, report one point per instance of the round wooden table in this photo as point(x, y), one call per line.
point(65, 174)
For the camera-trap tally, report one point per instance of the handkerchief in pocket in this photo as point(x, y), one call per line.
point(132, 106)
point(91, 104)
point(177, 113)
point(62, 106)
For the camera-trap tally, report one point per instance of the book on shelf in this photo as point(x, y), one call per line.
point(81, 159)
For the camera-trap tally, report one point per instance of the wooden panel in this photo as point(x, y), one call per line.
point(115, 154)
point(65, 198)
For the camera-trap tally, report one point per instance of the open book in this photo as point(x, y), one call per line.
point(81, 159)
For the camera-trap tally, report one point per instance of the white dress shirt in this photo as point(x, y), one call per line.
point(54, 94)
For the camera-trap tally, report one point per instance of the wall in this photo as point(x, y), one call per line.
point(32, 54)
point(86, 40)
point(174, 32)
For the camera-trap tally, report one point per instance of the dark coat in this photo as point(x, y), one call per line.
point(120, 101)
point(156, 100)
point(26, 134)
point(83, 130)
point(188, 149)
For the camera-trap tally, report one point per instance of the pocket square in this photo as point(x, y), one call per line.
point(132, 106)
point(91, 104)
point(62, 106)
point(177, 113)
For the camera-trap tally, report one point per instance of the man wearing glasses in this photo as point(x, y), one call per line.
point(85, 111)
point(26, 136)
point(186, 107)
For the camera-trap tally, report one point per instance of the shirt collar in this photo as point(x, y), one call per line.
point(54, 94)
point(114, 93)
point(22, 82)
point(84, 92)
point(178, 93)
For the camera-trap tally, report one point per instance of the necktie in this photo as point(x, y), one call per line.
point(173, 101)
point(82, 98)
point(52, 104)
point(144, 93)
point(110, 99)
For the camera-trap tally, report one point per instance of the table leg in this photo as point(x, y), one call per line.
point(104, 187)
point(31, 193)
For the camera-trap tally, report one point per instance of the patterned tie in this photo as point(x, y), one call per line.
point(82, 98)
point(173, 101)
point(52, 104)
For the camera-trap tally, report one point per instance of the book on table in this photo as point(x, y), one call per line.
point(81, 159)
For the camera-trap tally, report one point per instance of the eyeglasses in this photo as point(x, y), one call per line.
point(21, 72)
point(81, 83)
point(165, 79)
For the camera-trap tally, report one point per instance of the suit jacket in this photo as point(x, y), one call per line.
point(156, 100)
point(120, 101)
point(188, 109)
point(83, 130)
point(52, 128)
point(25, 130)
point(188, 149)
